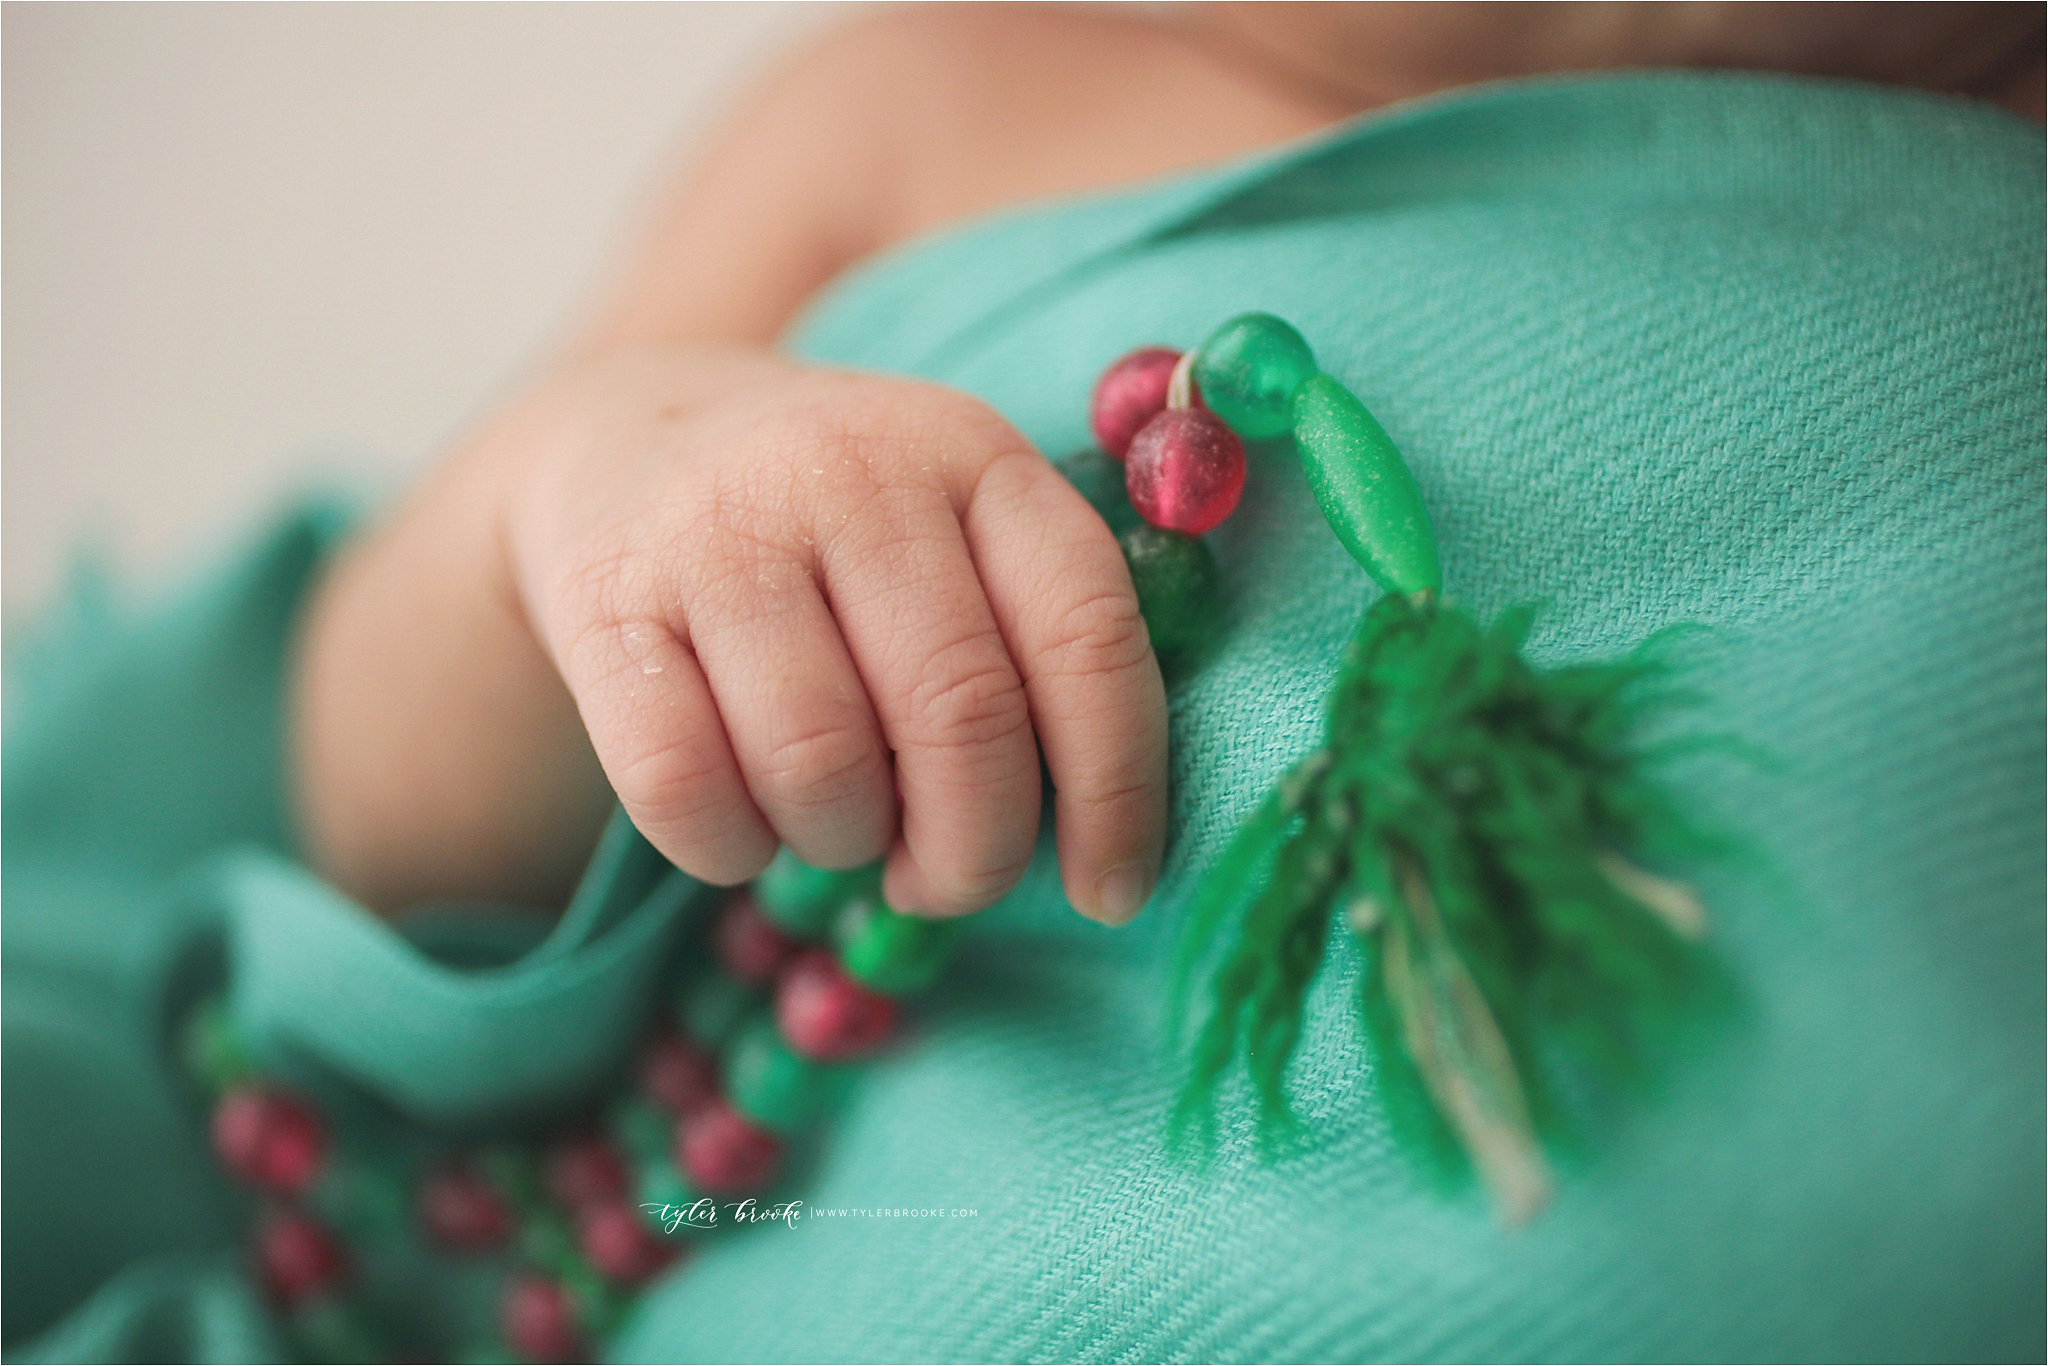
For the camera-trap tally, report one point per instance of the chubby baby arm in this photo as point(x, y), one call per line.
point(786, 604)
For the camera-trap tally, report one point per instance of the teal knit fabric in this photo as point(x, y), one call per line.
point(1756, 353)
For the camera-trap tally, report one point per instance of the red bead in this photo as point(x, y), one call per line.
point(722, 1152)
point(297, 1257)
point(620, 1245)
point(751, 946)
point(462, 1212)
point(1130, 394)
point(1185, 471)
point(825, 1014)
point(269, 1139)
point(539, 1320)
point(678, 1076)
point(586, 1171)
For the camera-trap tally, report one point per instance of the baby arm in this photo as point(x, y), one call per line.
point(762, 602)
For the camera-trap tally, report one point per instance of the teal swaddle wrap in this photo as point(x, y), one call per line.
point(1758, 353)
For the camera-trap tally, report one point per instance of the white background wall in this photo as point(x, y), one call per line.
point(253, 246)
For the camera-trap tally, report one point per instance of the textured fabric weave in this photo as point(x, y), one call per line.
point(1757, 353)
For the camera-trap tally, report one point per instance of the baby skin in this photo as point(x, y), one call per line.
point(766, 603)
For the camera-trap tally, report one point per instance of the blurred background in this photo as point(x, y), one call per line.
point(253, 249)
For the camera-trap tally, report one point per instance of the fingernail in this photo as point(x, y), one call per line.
point(1122, 892)
point(898, 895)
point(900, 892)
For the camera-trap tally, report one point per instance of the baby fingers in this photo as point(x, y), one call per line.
point(1062, 596)
point(949, 697)
point(847, 614)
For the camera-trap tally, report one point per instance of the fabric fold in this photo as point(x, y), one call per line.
point(316, 979)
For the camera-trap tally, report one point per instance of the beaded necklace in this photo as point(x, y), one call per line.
point(796, 977)
point(1464, 818)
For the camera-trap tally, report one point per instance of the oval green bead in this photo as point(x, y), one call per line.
point(1100, 479)
point(659, 1191)
point(1176, 579)
point(771, 1083)
point(513, 1169)
point(802, 899)
point(327, 1330)
point(644, 1132)
point(889, 952)
point(546, 1240)
point(212, 1046)
point(600, 1306)
point(1366, 491)
point(1248, 372)
point(710, 1007)
point(361, 1197)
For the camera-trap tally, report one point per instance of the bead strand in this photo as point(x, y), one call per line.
point(799, 976)
point(1178, 423)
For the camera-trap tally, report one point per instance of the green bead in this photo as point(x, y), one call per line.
point(600, 1306)
point(514, 1171)
point(212, 1046)
point(329, 1329)
point(711, 1006)
point(802, 899)
point(660, 1194)
point(1100, 479)
point(1366, 491)
point(362, 1198)
point(1175, 576)
point(546, 1240)
point(1248, 372)
point(892, 953)
point(771, 1083)
point(644, 1130)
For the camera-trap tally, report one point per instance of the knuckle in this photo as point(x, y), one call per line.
point(959, 891)
point(970, 697)
point(953, 415)
point(599, 590)
point(1103, 634)
point(618, 592)
point(822, 767)
point(1112, 795)
point(607, 650)
point(879, 430)
point(680, 788)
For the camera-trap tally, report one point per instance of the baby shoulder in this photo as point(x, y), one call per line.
point(978, 107)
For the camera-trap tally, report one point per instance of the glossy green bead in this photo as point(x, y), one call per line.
point(600, 1306)
point(643, 1130)
point(892, 953)
point(1248, 372)
point(1100, 479)
point(1176, 579)
point(1365, 488)
point(660, 1194)
point(329, 1329)
point(212, 1046)
point(710, 1007)
point(771, 1083)
point(546, 1240)
point(485, 1353)
point(365, 1199)
point(802, 899)
point(514, 1171)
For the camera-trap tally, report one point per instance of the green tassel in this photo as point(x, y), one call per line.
point(1473, 821)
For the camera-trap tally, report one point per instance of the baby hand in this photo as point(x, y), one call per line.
point(844, 613)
